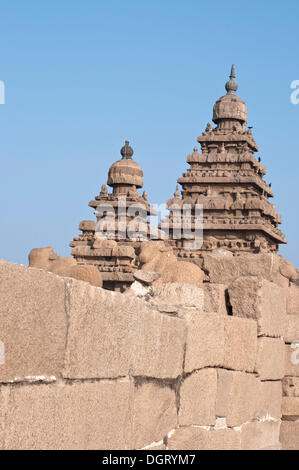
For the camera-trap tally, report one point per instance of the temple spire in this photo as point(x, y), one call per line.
point(231, 86)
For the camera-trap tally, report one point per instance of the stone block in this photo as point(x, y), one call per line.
point(191, 438)
point(262, 300)
point(214, 340)
point(290, 386)
point(293, 300)
point(198, 398)
point(205, 340)
point(214, 298)
point(146, 277)
point(292, 329)
point(289, 435)
point(292, 360)
point(69, 416)
point(240, 345)
point(180, 294)
point(270, 358)
point(237, 397)
point(260, 435)
point(270, 399)
point(154, 413)
point(290, 408)
point(33, 322)
point(218, 267)
point(112, 335)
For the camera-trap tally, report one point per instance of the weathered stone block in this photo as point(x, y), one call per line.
point(270, 358)
point(290, 386)
point(290, 408)
point(292, 360)
point(289, 435)
point(112, 335)
point(260, 435)
point(264, 301)
point(230, 268)
point(240, 345)
point(190, 438)
point(180, 294)
point(146, 277)
point(292, 329)
point(33, 322)
point(237, 397)
point(205, 340)
point(198, 398)
point(76, 416)
point(270, 399)
point(293, 300)
point(154, 414)
point(218, 340)
point(214, 298)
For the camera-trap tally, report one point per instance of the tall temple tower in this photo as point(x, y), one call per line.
point(227, 180)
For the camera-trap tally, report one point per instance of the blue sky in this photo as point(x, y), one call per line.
point(81, 77)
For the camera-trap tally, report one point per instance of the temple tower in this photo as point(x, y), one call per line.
point(112, 242)
point(227, 180)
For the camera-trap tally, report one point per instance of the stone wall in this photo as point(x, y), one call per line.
point(172, 367)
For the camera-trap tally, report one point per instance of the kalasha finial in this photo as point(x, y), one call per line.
point(126, 151)
point(177, 192)
point(231, 86)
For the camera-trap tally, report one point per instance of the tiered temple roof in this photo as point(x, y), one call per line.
point(227, 180)
point(112, 243)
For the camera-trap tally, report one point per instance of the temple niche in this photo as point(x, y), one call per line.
point(112, 242)
point(227, 180)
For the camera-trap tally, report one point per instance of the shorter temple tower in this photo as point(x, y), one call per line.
point(227, 180)
point(112, 243)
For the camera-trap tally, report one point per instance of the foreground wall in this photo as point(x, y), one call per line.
point(184, 367)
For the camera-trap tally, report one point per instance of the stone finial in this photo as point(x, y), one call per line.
point(104, 190)
point(231, 86)
point(126, 151)
point(144, 195)
point(177, 193)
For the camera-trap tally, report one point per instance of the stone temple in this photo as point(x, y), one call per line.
point(225, 179)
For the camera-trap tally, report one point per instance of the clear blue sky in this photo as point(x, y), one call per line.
point(83, 76)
